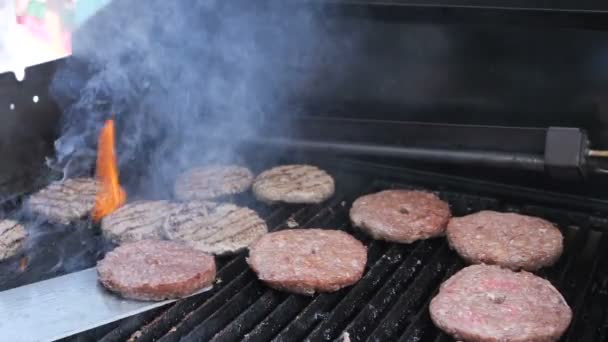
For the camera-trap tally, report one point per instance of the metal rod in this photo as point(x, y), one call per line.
point(598, 153)
point(518, 161)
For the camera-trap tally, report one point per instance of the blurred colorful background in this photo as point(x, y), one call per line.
point(53, 21)
point(40, 30)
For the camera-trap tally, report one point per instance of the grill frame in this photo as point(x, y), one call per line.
point(390, 301)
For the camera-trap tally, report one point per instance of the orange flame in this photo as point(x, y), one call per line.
point(110, 195)
point(23, 263)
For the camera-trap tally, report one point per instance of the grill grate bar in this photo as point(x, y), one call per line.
point(312, 314)
point(309, 317)
point(358, 295)
point(176, 313)
point(276, 320)
point(589, 256)
point(422, 328)
point(226, 314)
point(412, 300)
point(192, 319)
point(571, 238)
point(565, 283)
point(375, 309)
point(596, 301)
point(600, 290)
point(129, 326)
point(248, 319)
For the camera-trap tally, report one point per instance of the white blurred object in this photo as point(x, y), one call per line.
point(19, 49)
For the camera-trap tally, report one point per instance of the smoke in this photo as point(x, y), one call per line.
point(174, 73)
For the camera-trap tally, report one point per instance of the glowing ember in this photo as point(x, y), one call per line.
point(23, 263)
point(110, 195)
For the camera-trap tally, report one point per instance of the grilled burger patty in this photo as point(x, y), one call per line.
point(401, 215)
point(156, 270)
point(511, 240)
point(12, 238)
point(306, 261)
point(137, 221)
point(214, 228)
point(65, 201)
point(210, 182)
point(488, 303)
point(293, 184)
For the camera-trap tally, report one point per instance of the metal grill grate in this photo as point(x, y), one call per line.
point(390, 302)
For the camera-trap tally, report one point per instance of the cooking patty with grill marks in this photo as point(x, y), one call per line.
point(12, 238)
point(217, 228)
point(137, 221)
point(209, 182)
point(294, 184)
point(65, 201)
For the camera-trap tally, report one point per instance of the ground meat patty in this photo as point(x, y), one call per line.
point(488, 303)
point(12, 237)
point(156, 270)
point(401, 215)
point(210, 182)
point(306, 261)
point(214, 228)
point(137, 221)
point(293, 184)
point(65, 201)
point(507, 239)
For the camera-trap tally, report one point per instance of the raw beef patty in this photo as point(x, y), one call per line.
point(156, 270)
point(214, 228)
point(401, 215)
point(12, 237)
point(294, 184)
point(65, 201)
point(488, 303)
point(136, 221)
point(507, 239)
point(306, 261)
point(210, 182)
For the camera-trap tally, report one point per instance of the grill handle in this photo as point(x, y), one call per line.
point(566, 156)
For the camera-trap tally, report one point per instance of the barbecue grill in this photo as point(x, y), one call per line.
point(495, 105)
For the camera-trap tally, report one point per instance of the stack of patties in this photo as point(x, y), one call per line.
point(211, 227)
point(145, 267)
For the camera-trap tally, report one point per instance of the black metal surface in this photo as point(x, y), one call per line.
point(539, 5)
point(390, 301)
point(566, 152)
point(520, 13)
